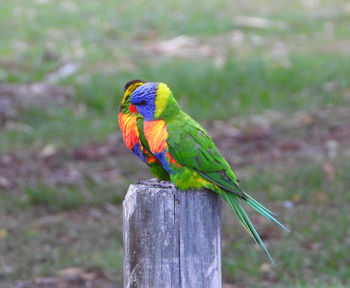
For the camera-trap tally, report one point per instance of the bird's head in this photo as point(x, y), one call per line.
point(154, 100)
point(129, 88)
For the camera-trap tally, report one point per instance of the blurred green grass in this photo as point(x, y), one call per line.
point(39, 36)
point(240, 87)
point(303, 66)
point(319, 206)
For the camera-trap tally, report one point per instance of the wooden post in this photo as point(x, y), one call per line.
point(171, 238)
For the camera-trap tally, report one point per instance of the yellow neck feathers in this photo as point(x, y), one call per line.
point(162, 98)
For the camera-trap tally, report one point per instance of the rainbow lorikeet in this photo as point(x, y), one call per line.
point(131, 125)
point(188, 154)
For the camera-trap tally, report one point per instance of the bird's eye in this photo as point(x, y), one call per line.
point(143, 103)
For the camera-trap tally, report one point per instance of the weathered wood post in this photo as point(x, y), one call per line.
point(171, 238)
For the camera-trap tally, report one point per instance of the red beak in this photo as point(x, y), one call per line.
point(133, 109)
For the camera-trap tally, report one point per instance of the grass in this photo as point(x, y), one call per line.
point(319, 204)
point(63, 240)
point(303, 67)
point(250, 80)
point(241, 87)
point(54, 126)
point(91, 237)
point(64, 197)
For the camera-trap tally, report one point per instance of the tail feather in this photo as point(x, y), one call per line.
point(264, 211)
point(253, 201)
point(233, 202)
point(261, 209)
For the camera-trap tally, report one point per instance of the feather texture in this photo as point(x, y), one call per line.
point(131, 125)
point(190, 156)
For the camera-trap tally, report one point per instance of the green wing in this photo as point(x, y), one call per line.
point(192, 147)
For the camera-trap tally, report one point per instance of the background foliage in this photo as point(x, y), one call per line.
point(268, 79)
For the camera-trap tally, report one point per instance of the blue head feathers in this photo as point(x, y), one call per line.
point(144, 99)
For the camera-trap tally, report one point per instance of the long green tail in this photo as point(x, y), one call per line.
point(264, 211)
point(235, 205)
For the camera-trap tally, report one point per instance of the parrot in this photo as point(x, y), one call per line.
point(131, 125)
point(189, 155)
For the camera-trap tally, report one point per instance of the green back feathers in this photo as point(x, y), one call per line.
point(192, 147)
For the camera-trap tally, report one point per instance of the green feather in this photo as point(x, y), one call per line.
point(191, 147)
point(233, 202)
point(264, 211)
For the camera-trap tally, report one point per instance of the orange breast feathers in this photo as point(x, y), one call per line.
point(156, 135)
point(128, 126)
